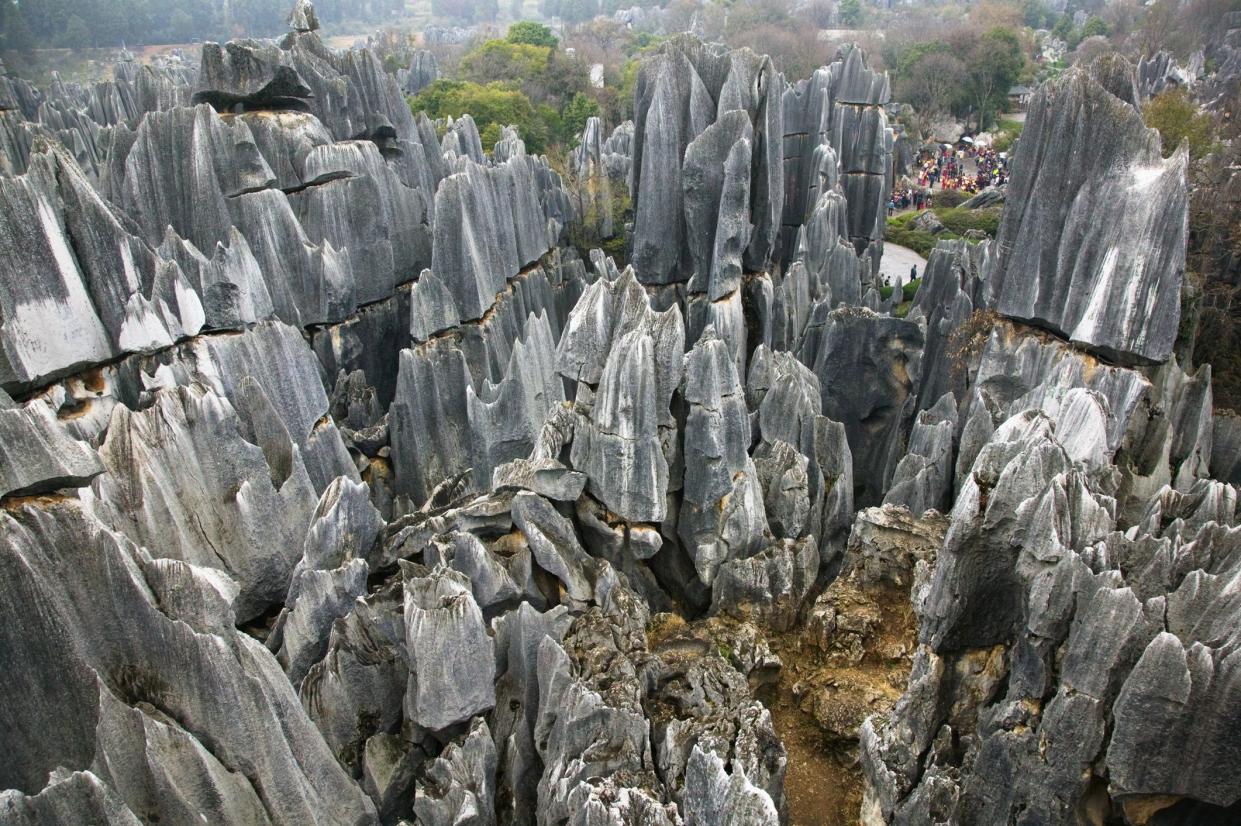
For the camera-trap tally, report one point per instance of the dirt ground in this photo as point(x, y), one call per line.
point(821, 789)
point(821, 699)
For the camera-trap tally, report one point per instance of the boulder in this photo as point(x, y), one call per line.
point(451, 656)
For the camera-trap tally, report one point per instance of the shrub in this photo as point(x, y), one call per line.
point(576, 112)
point(496, 59)
point(1178, 118)
point(493, 107)
point(1007, 132)
point(950, 198)
point(543, 74)
point(910, 289)
point(617, 248)
point(531, 33)
point(959, 220)
point(918, 240)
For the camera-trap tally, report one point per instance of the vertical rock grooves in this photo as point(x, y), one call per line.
point(517, 538)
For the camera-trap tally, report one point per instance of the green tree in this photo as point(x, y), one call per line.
point(1037, 15)
point(579, 11)
point(851, 12)
point(744, 17)
point(1094, 27)
point(493, 106)
point(496, 59)
point(532, 34)
point(993, 65)
point(933, 83)
point(1178, 119)
point(15, 32)
point(544, 75)
point(575, 114)
point(181, 26)
point(1064, 27)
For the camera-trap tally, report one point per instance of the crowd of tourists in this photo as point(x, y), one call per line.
point(967, 168)
point(904, 197)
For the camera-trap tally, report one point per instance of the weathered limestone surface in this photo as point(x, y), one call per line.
point(1075, 585)
point(836, 136)
point(337, 487)
point(631, 354)
point(489, 226)
point(722, 503)
point(37, 455)
point(451, 657)
point(1092, 242)
point(77, 286)
point(422, 72)
point(133, 670)
point(868, 367)
point(238, 510)
point(686, 88)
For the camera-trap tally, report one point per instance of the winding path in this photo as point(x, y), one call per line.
point(896, 262)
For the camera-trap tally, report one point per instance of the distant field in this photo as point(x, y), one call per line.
point(88, 65)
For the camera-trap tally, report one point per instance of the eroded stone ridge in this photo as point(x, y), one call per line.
point(1092, 242)
point(336, 489)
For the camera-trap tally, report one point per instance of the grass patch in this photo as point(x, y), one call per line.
point(908, 291)
point(919, 241)
point(1006, 132)
point(960, 221)
point(900, 229)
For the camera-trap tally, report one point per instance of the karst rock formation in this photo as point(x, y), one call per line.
point(337, 488)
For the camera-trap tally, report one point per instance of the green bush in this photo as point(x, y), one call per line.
point(532, 34)
point(959, 220)
point(910, 289)
point(1007, 132)
point(576, 112)
point(918, 240)
point(1178, 118)
point(493, 107)
point(617, 249)
point(496, 59)
point(950, 198)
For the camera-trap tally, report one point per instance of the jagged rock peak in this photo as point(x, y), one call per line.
point(682, 89)
point(1092, 242)
point(303, 17)
point(422, 72)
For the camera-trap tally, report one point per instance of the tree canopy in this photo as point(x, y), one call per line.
point(968, 75)
point(532, 34)
point(493, 106)
point(1178, 119)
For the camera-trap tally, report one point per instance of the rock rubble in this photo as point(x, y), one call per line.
point(338, 488)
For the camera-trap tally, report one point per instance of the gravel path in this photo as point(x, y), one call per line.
point(896, 262)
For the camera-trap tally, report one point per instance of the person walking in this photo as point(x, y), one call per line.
point(913, 273)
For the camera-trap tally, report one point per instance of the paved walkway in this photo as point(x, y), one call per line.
point(896, 262)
